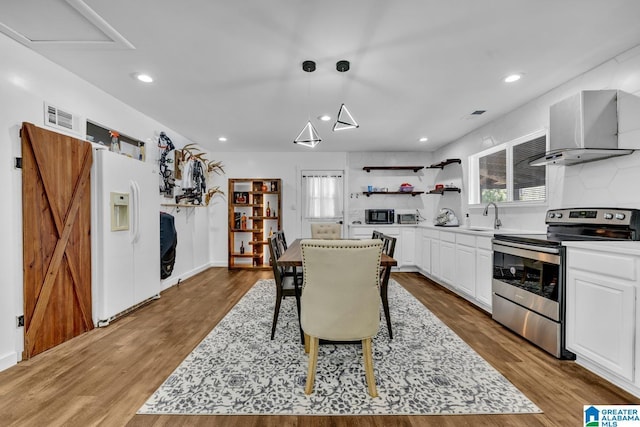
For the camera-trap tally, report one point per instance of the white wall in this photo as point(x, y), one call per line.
point(27, 80)
point(283, 165)
point(423, 180)
point(604, 183)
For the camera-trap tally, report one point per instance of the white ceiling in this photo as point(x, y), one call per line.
point(233, 68)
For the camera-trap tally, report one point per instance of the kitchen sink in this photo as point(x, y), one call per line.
point(480, 229)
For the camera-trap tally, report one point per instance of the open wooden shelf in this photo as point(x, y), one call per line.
point(412, 193)
point(444, 190)
point(393, 168)
point(444, 163)
point(182, 205)
point(246, 255)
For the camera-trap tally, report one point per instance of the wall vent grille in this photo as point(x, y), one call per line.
point(60, 119)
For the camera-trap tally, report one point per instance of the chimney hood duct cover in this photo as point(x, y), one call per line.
point(583, 128)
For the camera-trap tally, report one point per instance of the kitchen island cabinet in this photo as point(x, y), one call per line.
point(601, 314)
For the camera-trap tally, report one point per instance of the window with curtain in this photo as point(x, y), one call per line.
point(323, 195)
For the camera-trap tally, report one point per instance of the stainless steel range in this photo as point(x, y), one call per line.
point(529, 271)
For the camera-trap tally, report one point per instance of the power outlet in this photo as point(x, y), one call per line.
point(20, 321)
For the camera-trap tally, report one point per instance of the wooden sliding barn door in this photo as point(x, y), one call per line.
point(56, 209)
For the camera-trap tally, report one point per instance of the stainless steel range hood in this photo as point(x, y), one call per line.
point(574, 156)
point(583, 128)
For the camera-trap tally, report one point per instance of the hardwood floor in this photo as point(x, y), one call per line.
point(103, 377)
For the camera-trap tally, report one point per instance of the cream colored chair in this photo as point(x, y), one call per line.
point(341, 297)
point(326, 230)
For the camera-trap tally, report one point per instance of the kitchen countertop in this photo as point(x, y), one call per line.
point(476, 231)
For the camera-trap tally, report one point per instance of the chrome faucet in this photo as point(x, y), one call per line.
point(496, 222)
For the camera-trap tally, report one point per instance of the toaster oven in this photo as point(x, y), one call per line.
point(407, 218)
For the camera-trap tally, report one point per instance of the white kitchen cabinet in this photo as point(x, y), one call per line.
point(460, 260)
point(484, 271)
point(601, 313)
point(465, 264)
point(366, 231)
point(408, 243)
point(448, 257)
point(427, 256)
point(435, 258)
point(361, 232)
point(419, 261)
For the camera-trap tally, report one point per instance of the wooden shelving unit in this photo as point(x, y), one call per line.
point(392, 168)
point(252, 197)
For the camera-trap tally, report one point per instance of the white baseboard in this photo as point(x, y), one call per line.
point(173, 280)
point(8, 360)
point(608, 376)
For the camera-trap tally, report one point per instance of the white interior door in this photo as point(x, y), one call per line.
point(322, 198)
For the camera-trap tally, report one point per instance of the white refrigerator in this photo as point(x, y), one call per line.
point(125, 236)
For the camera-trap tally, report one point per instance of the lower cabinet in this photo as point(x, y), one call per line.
point(601, 311)
point(435, 258)
point(484, 271)
point(405, 241)
point(461, 261)
point(484, 274)
point(408, 243)
point(426, 236)
point(447, 257)
point(465, 277)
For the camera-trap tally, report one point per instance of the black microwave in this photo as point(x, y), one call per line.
point(378, 216)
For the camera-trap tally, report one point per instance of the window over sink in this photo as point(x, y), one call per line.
point(503, 174)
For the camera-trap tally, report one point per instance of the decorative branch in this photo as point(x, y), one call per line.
point(191, 152)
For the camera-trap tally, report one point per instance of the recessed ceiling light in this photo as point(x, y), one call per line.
point(324, 117)
point(423, 139)
point(222, 139)
point(144, 78)
point(512, 78)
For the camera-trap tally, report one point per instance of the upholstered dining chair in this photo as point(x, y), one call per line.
point(340, 298)
point(389, 248)
point(326, 230)
point(286, 284)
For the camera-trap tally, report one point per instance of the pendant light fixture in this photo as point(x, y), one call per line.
point(344, 120)
point(308, 136)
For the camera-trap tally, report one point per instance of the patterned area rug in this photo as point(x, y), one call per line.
point(425, 369)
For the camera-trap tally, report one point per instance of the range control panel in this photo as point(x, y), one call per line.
point(602, 216)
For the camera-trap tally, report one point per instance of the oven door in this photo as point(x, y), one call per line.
point(530, 277)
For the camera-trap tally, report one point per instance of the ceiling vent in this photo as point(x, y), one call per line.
point(478, 112)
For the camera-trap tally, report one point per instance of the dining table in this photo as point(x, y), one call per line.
point(292, 257)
